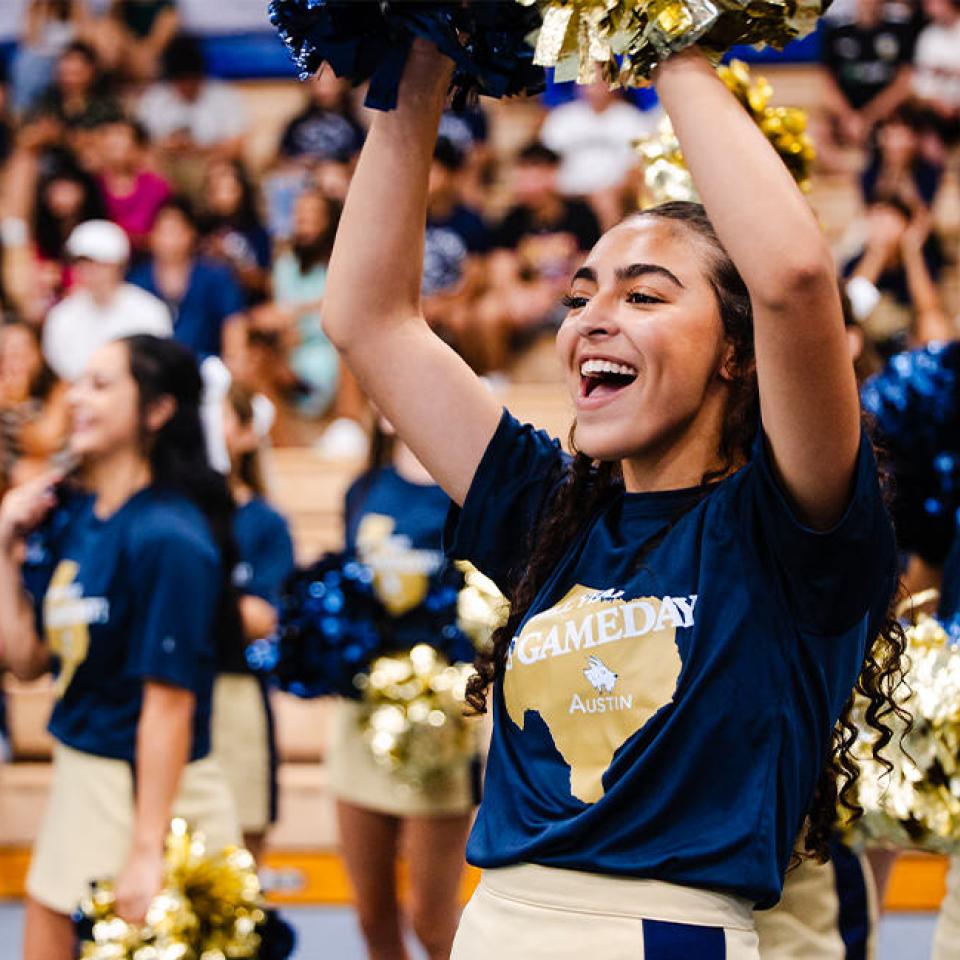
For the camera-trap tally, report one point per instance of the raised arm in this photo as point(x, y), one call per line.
point(372, 312)
point(808, 393)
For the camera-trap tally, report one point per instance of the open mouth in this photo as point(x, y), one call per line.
point(604, 378)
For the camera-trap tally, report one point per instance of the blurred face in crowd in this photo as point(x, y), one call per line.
point(75, 73)
point(20, 358)
point(868, 11)
point(311, 217)
point(104, 405)
point(442, 182)
point(64, 197)
point(172, 237)
point(188, 88)
point(942, 12)
point(327, 91)
point(224, 192)
point(239, 437)
point(643, 342)
point(534, 183)
point(101, 280)
point(898, 143)
point(119, 149)
point(598, 94)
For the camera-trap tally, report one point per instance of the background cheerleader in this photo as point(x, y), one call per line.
point(243, 731)
point(760, 564)
point(394, 521)
point(130, 583)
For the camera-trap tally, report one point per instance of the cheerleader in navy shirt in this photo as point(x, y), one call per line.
point(243, 731)
point(122, 592)
point(694, 596)
point(394, 516)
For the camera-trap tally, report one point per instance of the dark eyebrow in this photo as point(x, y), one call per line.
point(585, 273)
point(636, 270)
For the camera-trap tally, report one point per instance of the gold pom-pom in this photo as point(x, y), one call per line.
point(626, 39)
point(666, 176)
point(917, 804)
point(209, 908)
point(481, 607)
point(413, 716)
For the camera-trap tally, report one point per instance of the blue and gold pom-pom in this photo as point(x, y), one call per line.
point(914, 405)
point(368, 40)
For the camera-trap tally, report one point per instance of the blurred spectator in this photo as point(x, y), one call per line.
point(294, 361)
point(897, 165)
point(80, 97)
point(594, 137)
point(132, 192)
point(232, 230)
point(547, 231)
point(203, 298)
point(33, 409)
point(49, 26)
point(6, 120)
point(134, 34)
point(66, 197)
point(867, 70)
point(102, 307)
point(936, 83)
point(190, 118)
point(327, 128)
point(455, 234)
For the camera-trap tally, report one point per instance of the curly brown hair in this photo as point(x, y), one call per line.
point(588, 485)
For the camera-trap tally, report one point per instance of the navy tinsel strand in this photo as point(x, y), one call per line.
point(332, 626)
point(368, 40)
point(914, 403)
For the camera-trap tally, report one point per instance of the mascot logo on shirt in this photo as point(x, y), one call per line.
point(67, 616)
point(596, 668)
point(401, 574)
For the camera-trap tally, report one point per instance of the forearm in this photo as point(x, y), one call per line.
point(164, 736)
point(885, 102)
point(761, 217)
point(259, 617)
point(20, 647)
point(377, 261)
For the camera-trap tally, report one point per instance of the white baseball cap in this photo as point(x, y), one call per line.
point(99, 240)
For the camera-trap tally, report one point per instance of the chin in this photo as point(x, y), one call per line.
point(607, 441)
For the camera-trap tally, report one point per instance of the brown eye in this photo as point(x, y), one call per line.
point(574, 303)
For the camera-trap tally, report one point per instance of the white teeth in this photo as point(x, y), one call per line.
point(590, 368)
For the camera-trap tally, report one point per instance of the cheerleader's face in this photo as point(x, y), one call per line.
point(104, 405)
point(644, 349)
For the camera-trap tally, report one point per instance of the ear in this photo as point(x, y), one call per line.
point(159, 413)
point(728, 368)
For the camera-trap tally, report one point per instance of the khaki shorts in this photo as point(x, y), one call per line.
point(355, 777)
point(530, 912)
point(806, 921)
point(89, 820)
point(946, 943)
point(240, 730)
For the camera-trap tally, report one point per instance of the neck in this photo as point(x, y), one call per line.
point(408, 466)
point(114, 479)
point(242, 494)
point(684, 457)
point(102, 297)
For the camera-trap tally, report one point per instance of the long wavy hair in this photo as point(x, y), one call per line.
point(178, 456)
point(588, 485)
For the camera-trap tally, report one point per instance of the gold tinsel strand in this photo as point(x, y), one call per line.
point(666, 176)
point(626, 39)
point(917, 805)
point(209, 908)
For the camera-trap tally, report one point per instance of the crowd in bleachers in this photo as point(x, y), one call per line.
point(114, 118)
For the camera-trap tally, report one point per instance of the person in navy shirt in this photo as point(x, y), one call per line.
point(393, 516)
point(204, 297)
point(244, 739)
point(695, 594)
point(121, 588)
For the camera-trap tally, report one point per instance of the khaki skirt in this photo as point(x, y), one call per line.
point(88, 824)
point(528, 912)
point(242, 737)
point(356, 778)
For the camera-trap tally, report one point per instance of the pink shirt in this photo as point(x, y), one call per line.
point(136, 211)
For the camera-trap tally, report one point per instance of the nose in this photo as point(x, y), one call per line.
point(596, 320)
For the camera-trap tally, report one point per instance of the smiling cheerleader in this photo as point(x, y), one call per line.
point(696, 592)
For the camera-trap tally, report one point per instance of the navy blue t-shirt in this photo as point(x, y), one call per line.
point(396, 528)
point(666, 713)
point(212, 296)
point(122, 601)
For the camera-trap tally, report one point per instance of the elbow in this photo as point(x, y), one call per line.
point(803, 274)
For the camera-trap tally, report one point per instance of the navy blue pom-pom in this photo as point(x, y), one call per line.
point(914, 403)
point(368, 40)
